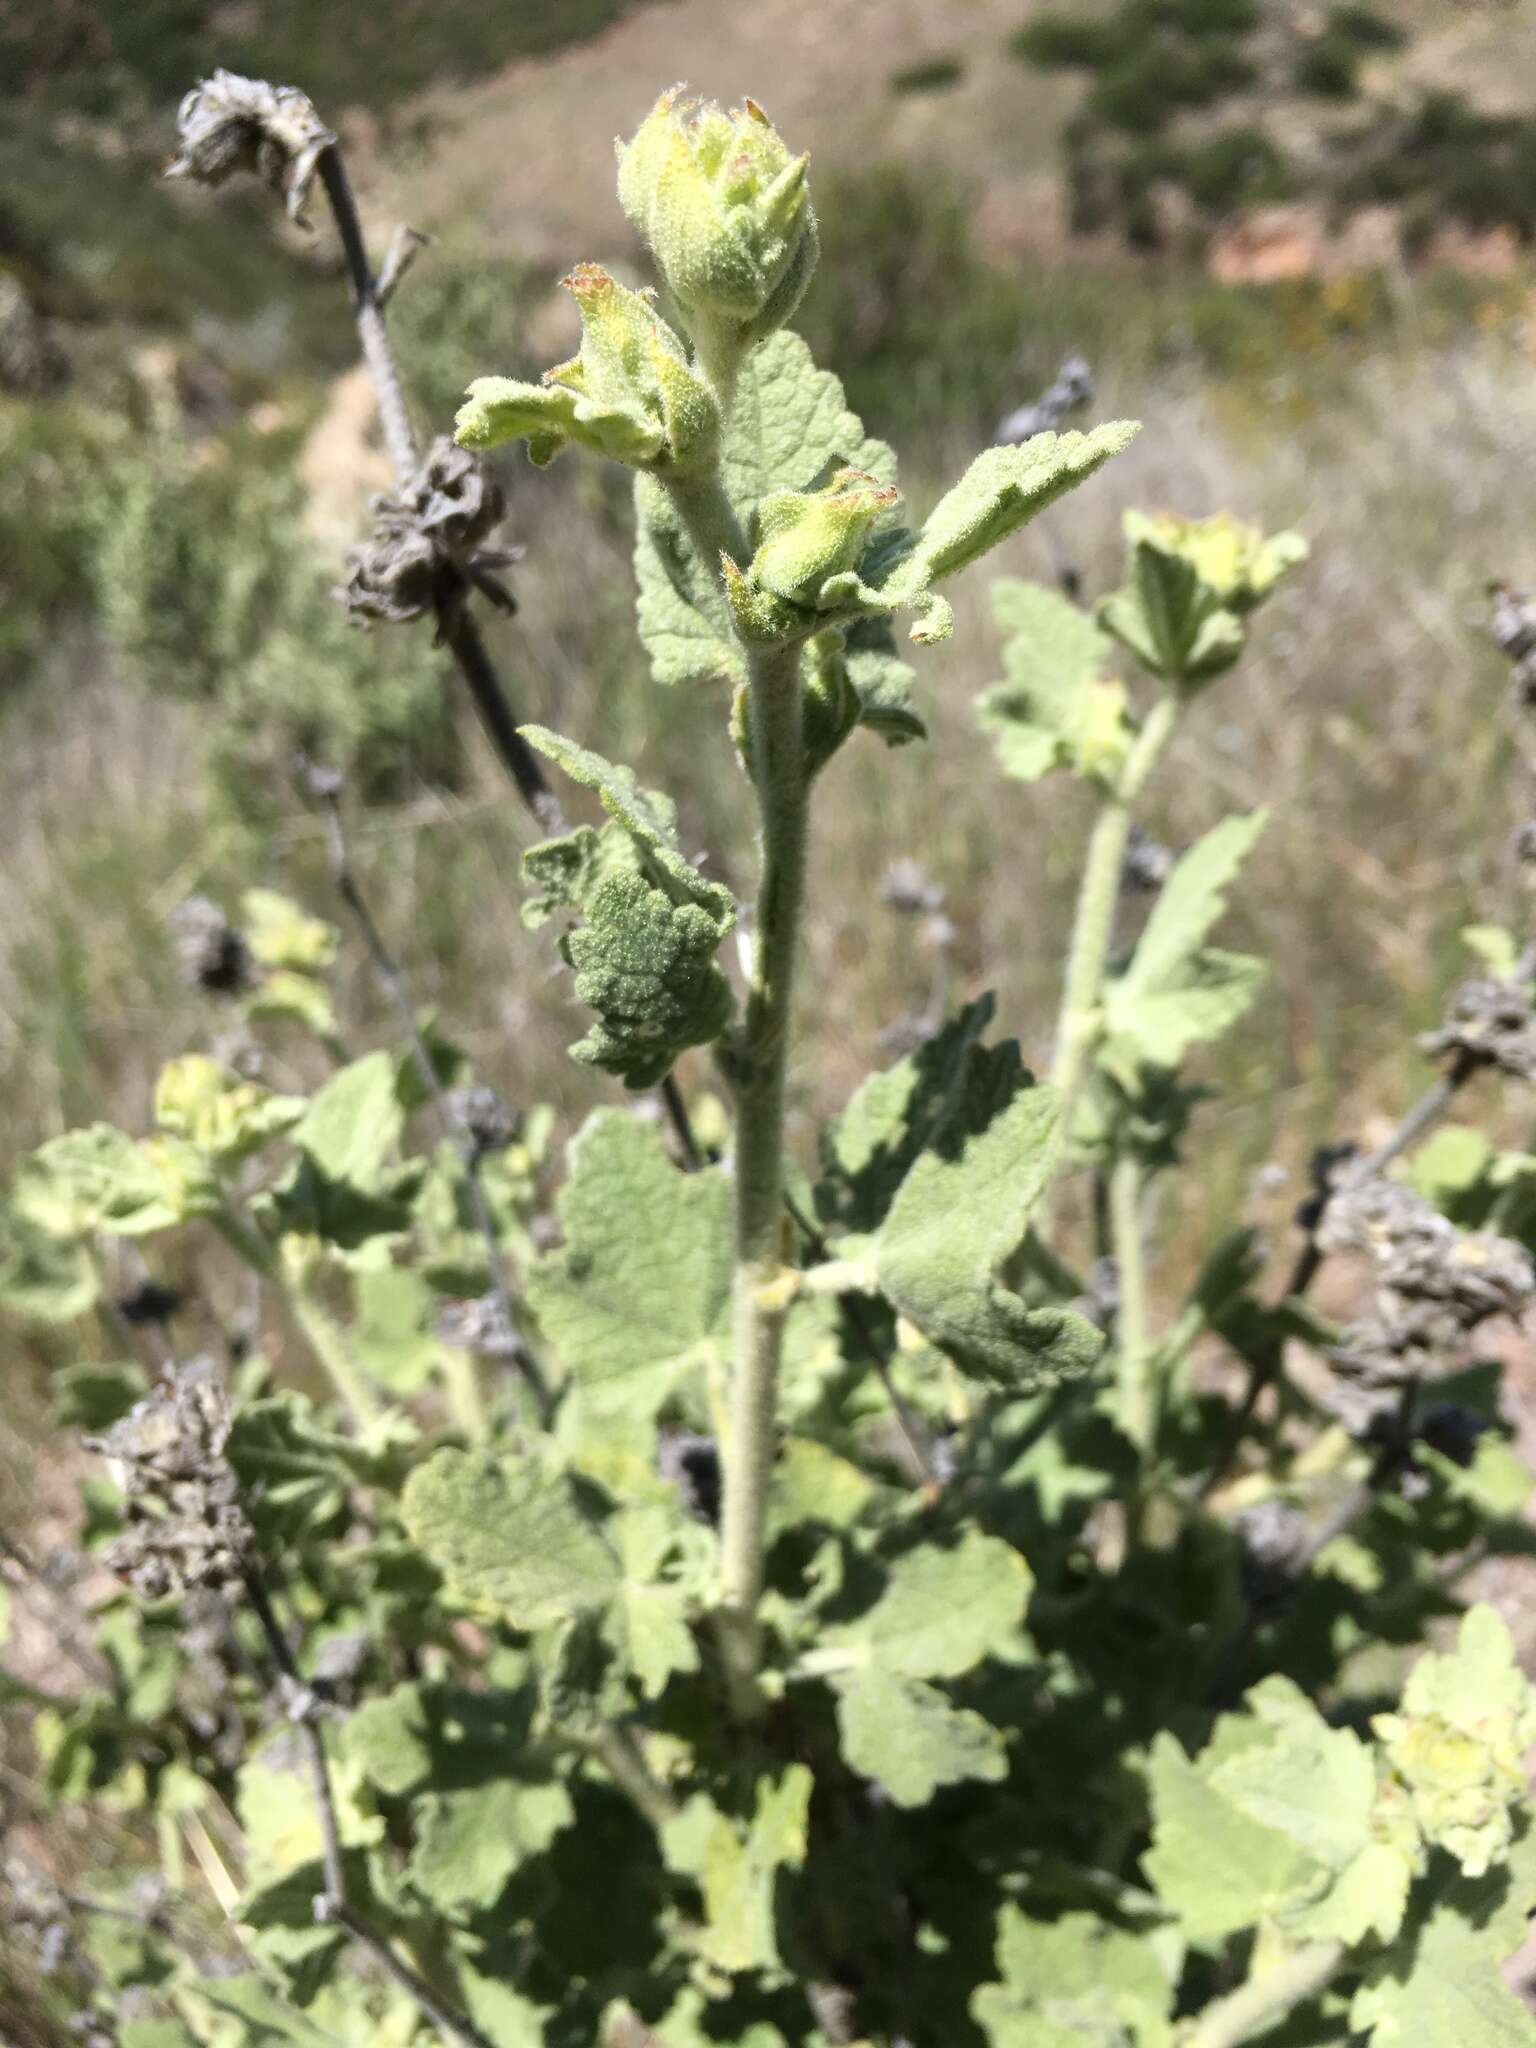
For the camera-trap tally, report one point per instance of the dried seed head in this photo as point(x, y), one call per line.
point(425, 538)
point(211, 953)
point(1147, 864)
point(692, 1464)
point(1072, 390)
point(489, 1123)
point(482, 1324)
point(908, 887)
point(230, 124)
point(1273, 1536)
point(185, 1525)
point(1492, 1023)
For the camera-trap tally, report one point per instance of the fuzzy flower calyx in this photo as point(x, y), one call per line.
point(727, 213)
point(628, 394)
point(230, 124)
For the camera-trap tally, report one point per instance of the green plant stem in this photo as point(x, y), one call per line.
point(1093, 926)
point(1265, 2000)
point(758, 1066)
point(1138, 1396)
point(710, 518)
point(319, 1330)
point(616, 1749)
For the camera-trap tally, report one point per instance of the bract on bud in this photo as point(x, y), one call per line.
point(628, 394)
point(807, 537)
point(727, 213)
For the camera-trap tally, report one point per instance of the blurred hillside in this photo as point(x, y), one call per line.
point(185, 451)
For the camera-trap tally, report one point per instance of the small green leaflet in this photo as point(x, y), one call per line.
point(1045, 713)
point(943, 1609)
point(353, 1126)
point(736, 1867)
point(955, 1219)
point(509, 1534)
point(639, 1294)
point(1177, 991)
point(905, 1735)
point(1075, 1982)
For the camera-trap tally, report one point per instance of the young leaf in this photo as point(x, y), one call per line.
point(509, 1534)
point(943, 1609)
point(957, 1216)
point(353, 1126)
point(736, 1868)
point(1072, 1983)
point(469, 1843)
point(1440, 1985)
point(907, 1737)
point(1054, 709)
point(1177, 991)
point(639, 1294)
point(94, 1179)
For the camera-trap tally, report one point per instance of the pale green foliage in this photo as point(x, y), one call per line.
point(942, 1610)
point(508, 1536)
point(218, 1113)
point(1460, 1741)
point(1192, 584)
point(1177, 991)
point(638, 1296)
point(942, 1247)
point(736, 1866)
point(1073, 1983)
point(644, 951)
point(1055, 708)
point(906, 1736)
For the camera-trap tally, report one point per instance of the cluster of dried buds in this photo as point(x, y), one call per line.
point(490, 1123)
point(1435, 1285)
point(1489, 1023)
point(428, 546)
point(230, 124)
point(185, 1527)
point(211, 952)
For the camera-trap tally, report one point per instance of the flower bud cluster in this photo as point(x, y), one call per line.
point(185, 1524)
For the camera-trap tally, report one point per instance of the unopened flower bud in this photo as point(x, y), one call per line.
point(806, 538)
point(727, 213)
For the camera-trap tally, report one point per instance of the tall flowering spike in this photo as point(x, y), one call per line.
point(628, 394)
point(727, 213)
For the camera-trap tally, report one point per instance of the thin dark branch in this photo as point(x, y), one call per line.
point(682, 1124)
point(460, 632)
point(391, 975)
point(333, 1907)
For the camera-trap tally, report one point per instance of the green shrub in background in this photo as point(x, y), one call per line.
point(712, 1594)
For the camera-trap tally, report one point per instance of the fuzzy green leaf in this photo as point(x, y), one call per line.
point(46, 1277)
point(956, 1218)
point(950, 1088)
point(469, 1843)
point(1439, 1986)
point(1003, 489)
point(907, 1737)
point(353, 1126)
point(1215, 1867)
point(1074, 1982)
point(942, 1610)
point(790, 427)
point(510, 1534)
point(639, 1294)
point(95, 1179)
point(1177, 991)
point(737, 1867)
point(1054, 708)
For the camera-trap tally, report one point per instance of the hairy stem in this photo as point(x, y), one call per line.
point(1093, 927)
point(759, 1059)
point(1265, 2000)
point(1138, 1395)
